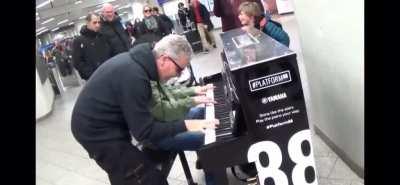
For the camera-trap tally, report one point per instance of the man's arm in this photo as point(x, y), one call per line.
point(180, 91)
point(166, 107)
point(78, 60)
point(135, 99)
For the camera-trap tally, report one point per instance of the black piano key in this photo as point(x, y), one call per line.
point(222, 112)
point(224, 137)
point(223, 132)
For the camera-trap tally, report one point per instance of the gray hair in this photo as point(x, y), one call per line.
point(89, 16)
point(174, 46)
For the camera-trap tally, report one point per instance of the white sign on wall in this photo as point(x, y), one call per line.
point(284, 6)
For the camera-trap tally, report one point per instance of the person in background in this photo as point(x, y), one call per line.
point(168, 24)
point(267, 11)
point(183, 13)
point(199, 14)
point(250, 15)
point(113, 30)
point(61, 58)
point(136, 28)
point(227, 10)
point(113, 107)
point(90, 49)
point(151, 27)
point(129, 28)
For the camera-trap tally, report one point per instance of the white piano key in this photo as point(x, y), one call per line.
point(209, 136)
point(210, 114)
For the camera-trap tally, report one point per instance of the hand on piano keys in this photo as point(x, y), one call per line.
point(203, 99)
point(220, 111)
point(202, 90)
point(200, 125)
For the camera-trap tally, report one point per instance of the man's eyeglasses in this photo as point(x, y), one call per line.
point(180, 69)
point(148, 10)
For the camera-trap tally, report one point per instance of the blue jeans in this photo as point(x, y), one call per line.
point(187, 141)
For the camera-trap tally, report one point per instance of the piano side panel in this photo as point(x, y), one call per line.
point(264, 107)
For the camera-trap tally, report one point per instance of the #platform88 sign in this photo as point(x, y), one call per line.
point(267, 156)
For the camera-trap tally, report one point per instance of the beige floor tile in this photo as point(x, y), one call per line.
point(77, 179)
point(342, 171)
point(40, 181)
point(51, 173)
point(324, 165)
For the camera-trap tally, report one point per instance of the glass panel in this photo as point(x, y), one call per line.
point(244, 48)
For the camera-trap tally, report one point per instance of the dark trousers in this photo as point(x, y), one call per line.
point(124, 163)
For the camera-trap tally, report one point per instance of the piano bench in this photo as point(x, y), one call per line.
point(165, 160)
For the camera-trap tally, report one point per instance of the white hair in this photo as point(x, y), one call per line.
point(174, 46)
point(106, 5)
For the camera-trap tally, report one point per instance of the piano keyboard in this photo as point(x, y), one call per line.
point(221, 111)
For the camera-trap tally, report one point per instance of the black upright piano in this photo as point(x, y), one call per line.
point(262, 113)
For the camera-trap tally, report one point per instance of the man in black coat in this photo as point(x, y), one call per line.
point(114, 105)
point(90, 49)
point(112, 29)
point(183, 14)
point(168, 24)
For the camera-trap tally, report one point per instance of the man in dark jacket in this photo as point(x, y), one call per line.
point(199, 14)
point(115, 105)
point(168, 24)
point(112, 29)
point(90, 49)
point(228, 11)
point(183, 13)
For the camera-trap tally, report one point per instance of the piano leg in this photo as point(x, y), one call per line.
point(219, 176)
point(186, 169)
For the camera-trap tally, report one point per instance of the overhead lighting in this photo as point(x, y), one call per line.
point(71, 23)
point(48, 20)
point(44, 3)
point(37, 14)
point(82, 17)
point(40, 29)
point(78, 2)
point(122, 7)
point(63, 21)
point(126, 6)
point(55, 29)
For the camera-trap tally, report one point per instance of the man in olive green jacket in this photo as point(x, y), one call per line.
point(171, 103)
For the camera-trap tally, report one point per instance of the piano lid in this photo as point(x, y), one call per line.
point(244, 48)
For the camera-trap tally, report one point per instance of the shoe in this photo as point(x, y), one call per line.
point(198, 165)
